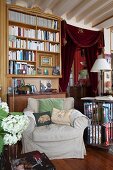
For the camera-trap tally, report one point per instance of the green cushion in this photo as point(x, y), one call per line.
point(43, 118)
point(49, 104)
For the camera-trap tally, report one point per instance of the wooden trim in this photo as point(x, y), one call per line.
point(3, 49)
point(35, 11)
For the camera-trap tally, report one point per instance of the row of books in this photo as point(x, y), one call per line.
point(34, 45)
point(46, 35)
point(21, 68)
point(43, 22)
point(97, 134)
point(22, 55)
point(21, 17)
point(94, 134)
point(43, 46)
point(31, 33)
point(18, 43)
point(100, 112)
point(23, 32)
point(32, 20)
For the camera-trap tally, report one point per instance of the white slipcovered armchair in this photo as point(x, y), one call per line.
point(57, 141)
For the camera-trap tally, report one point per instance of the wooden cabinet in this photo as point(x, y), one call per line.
point(78, 92)
point(34, 44)
point(17, 103)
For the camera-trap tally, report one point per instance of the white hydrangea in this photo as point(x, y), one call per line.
point(14, 125)
point(4, 106)
point(10, 139)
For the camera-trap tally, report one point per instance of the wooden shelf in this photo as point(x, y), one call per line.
point(33, 46)
point(32, 76)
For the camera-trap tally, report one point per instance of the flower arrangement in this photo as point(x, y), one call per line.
point(11, 126)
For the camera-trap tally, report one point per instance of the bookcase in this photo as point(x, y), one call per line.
point(99, 110)
point(33, 45)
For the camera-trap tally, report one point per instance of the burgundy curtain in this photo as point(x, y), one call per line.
point(77, 66)
point(67, 54)
point(73, 38)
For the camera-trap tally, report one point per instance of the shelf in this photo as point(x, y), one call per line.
point(27, 61)
point(33, 26)
point(39, 51)
point(32, 76)
point(34, 39)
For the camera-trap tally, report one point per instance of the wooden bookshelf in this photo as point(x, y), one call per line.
point(33, 45)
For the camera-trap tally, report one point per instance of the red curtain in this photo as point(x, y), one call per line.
point(73, 38)
point(77, 66)
point(67, 54)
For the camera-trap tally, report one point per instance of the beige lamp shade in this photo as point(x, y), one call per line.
point(100, 65)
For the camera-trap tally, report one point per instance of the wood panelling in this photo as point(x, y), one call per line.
point(3, 49)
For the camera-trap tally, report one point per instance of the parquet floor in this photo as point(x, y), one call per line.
point(96, 159)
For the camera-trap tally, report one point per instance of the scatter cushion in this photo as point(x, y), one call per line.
point(33, 104)
point(43, 118)
point(61, 116)
point(68, 103)
point(48, 104)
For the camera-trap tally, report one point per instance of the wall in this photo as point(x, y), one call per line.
point(107, 40)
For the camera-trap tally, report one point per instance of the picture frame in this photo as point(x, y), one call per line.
point(46, 61)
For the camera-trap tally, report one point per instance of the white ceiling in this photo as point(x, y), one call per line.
point(93, 14)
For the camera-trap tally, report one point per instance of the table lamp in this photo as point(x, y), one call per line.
point(101, 65)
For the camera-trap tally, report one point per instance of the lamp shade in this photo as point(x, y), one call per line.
point(100, 64)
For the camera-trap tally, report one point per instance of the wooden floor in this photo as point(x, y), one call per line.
point(96, 159)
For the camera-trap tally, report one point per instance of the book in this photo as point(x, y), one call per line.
point(32, 161)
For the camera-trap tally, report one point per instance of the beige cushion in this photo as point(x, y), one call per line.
point(68, 103)
point(61, 116)
point(33, 104)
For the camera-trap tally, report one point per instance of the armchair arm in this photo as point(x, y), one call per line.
point(32, 123)
point(78, 120)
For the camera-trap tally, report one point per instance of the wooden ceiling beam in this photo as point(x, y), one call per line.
point(89, 11)
point(99, 13)
point(80, 7)
point(102, 19)
point(45, 4)
point(63, 6)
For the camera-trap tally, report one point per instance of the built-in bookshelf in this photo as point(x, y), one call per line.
point(29, 35)
point(34, 44)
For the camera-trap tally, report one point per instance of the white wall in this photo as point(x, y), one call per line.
point(107, 41)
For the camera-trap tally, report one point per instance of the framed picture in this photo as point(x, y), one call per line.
point(46, 61)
